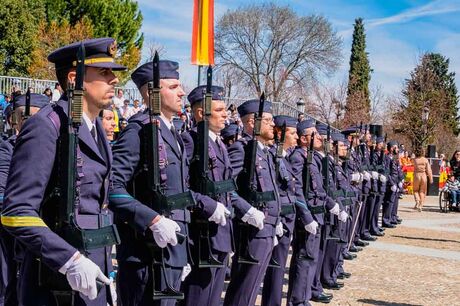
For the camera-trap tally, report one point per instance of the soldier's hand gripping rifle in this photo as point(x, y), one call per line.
point(205, 185)
point(162, 203)
point(250, 193)
point(63, 218)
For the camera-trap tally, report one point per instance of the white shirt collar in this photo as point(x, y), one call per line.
point(212, 135)
point(89, 123)
point(261, 145)
point(166, 121)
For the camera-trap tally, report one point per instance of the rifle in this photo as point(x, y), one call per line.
point(306, 188)
point(65, 222)
point(165, 204)
point(204, 184)
point(249, 192)
point(279, 146)
point(325, 169)
point(27, 110)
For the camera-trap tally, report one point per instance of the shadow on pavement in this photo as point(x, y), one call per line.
point(385, 303)
point(426, 239)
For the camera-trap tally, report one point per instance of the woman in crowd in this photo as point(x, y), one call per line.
point(455, 164)
point(422, 175)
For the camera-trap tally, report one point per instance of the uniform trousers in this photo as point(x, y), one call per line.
point(368, 214)
point(317, 288)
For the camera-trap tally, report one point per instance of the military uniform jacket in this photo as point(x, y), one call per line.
point(220, 169)
point(393, 177)
point(6, 152)
point(131, 198)
point(381, 165)
point(264, 179)
point(32, 173)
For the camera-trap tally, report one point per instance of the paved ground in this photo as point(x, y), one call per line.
point(417, 263)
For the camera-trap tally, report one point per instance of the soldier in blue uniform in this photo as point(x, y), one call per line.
point(391, 193)
point(131, 197)
point(292, 205)
point(204, 285)
point(247, 278)
point(8, 258)
point(34, 175)
point(379, 161)
point(304, 281)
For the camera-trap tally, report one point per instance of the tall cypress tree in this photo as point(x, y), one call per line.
point(358, 103)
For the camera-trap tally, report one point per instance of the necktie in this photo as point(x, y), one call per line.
point(93, 133)
point(176, 136)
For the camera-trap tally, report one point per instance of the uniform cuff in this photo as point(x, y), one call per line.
point(69, 262)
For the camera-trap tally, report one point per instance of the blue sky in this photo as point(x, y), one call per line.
point(398, 32)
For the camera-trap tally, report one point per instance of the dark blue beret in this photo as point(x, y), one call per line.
point(321, 128)
point(337, 137)
point(144, 74)
point(281, 119)
point(350, 130)
point(229, 131)
point(252, 106)
point(392, 143)
point(99, 52)
point(197, 94)
point(305, 124)
point(380, 139)
point(36, 100)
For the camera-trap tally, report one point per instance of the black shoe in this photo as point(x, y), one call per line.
point(322, 298)
point(349, 256)
point(333, 286)
point(361, 243)
point(368, 238)
point(389, 225)
point(378, 234)
point(399, 220)
point(340, 276)
point(345, 274)
point(381, 229)
point(394, 223)
point(329, 295)
point(355, 249)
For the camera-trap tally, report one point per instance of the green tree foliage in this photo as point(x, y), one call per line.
point(427, 102)
point(446, 82)
point(19, 21)
point(120, 19)
point(358, 102)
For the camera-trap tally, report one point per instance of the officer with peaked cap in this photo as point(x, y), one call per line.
point(391, 193)
point(293, 206)
point(205, 285)
point(379, 160)
point(247, 278)
point(139, 217)
point(8, 294)
point(32, 180)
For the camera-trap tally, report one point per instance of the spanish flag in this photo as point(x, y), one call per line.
point(203, 33)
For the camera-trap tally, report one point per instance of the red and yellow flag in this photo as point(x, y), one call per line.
point(203, 33)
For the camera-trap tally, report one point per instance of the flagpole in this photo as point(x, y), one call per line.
point(199, 75)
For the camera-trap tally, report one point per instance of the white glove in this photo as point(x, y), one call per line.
point(220, 214)
point(164, 232)
point(335, 210)
point(82, 275)
point(275, 241)
point(279, 229)
point(366, 176)
point(343, 216)
point(185, 272)
point(254, 217)
point(356, 177)
point(394, 188)
point(312, 227)
point(382, 178)
point(375, 175)
point(400, 185)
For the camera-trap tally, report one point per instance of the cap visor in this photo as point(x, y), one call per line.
point(113, 66)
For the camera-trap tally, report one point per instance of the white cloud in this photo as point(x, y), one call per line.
point(449, 46)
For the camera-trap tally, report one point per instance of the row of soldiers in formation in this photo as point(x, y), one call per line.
point(319, 195)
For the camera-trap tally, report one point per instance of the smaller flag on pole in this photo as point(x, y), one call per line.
point(203, 33)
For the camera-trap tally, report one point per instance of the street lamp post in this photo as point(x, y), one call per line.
point(425, 116)
point(301, 106)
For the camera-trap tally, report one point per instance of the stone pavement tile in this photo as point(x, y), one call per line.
point(408, 249)
point(383, 277)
